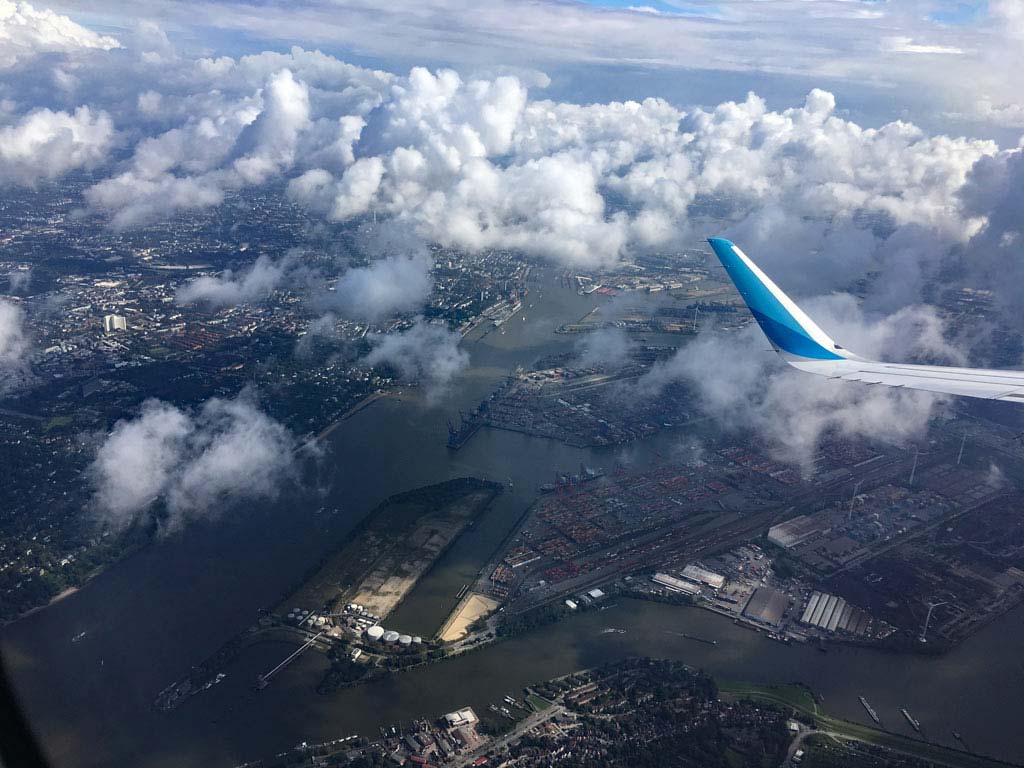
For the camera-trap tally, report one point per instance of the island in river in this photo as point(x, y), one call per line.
point(355, 587)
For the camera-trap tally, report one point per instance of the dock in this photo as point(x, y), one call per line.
point(262, 681)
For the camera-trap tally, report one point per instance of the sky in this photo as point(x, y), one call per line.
point(833, 139)
point(881, 57)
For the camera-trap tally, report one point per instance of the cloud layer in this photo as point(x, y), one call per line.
point(426, 353)
point(394, 284)
point(925, 48)
point(481, 160)
point(475, 162)
point(26, 31)
point(13, 347)
point(744, 386)
point(45, 145)
point(229, 289)
point(196, 462)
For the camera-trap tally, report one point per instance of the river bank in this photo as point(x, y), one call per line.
point(152, 615)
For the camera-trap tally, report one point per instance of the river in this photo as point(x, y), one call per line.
point(150, 617)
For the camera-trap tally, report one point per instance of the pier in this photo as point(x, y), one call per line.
point(262, 681)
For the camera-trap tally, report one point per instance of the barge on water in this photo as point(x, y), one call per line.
point(914, 723)
point(870, 710)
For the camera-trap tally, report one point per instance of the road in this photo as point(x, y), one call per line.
point(798, 740)
point(532, 721)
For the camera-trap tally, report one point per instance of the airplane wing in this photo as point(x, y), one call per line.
point(802, 344)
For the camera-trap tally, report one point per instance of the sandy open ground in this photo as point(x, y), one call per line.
point(472, 607)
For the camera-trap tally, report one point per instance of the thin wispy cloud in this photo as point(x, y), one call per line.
point(881, 44)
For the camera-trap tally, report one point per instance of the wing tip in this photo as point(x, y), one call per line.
point(720, 244)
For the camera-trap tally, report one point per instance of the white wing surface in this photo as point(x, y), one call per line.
point(802, 344)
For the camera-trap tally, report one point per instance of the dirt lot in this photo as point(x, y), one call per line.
point(381, 561)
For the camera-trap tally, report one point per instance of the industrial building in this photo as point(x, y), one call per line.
point(700, 575)
point(676, 585)
point(834, 614)
point(766, 606)
point(112, 323)
point(461, 717)
point(797, 530)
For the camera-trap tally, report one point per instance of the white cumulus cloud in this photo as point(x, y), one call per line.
point(425, 353)
point(745, 387)
point(197, 462)
point(25, 31)
point(13, 347)
point(384, 287)
point(44, 144)
point(229, 289)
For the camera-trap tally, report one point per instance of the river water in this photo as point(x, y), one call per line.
point(150, 617)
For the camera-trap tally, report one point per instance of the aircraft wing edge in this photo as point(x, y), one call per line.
point(804, 345)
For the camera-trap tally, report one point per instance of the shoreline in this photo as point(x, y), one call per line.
point(67, 592)
point(62, 595)
point(366, 402)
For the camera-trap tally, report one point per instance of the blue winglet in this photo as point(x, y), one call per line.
point(785, 331)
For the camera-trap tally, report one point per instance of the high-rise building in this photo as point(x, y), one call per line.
point(113, 323)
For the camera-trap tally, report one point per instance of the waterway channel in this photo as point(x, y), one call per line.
point(150, 617)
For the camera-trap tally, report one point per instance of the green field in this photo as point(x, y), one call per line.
point(539, 704)
point(796, 696)
point(802, 700)
point(56, 422)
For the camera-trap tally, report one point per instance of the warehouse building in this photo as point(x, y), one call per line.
point(834, 614)
point(676, 585)
point(766, 606)
point(700, 575)
point(797, 530)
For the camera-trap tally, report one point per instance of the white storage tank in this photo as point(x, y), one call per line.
point(405, 640)
point(376, 632)
point(390, 636)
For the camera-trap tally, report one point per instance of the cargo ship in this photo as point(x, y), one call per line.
point(469, 425)
point(870, 710)
point(564, 480)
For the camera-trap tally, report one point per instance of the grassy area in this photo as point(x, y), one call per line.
point(800, 698)
point(796, 696)
point(538, 703)
point(832, 752)
point(57, 422)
